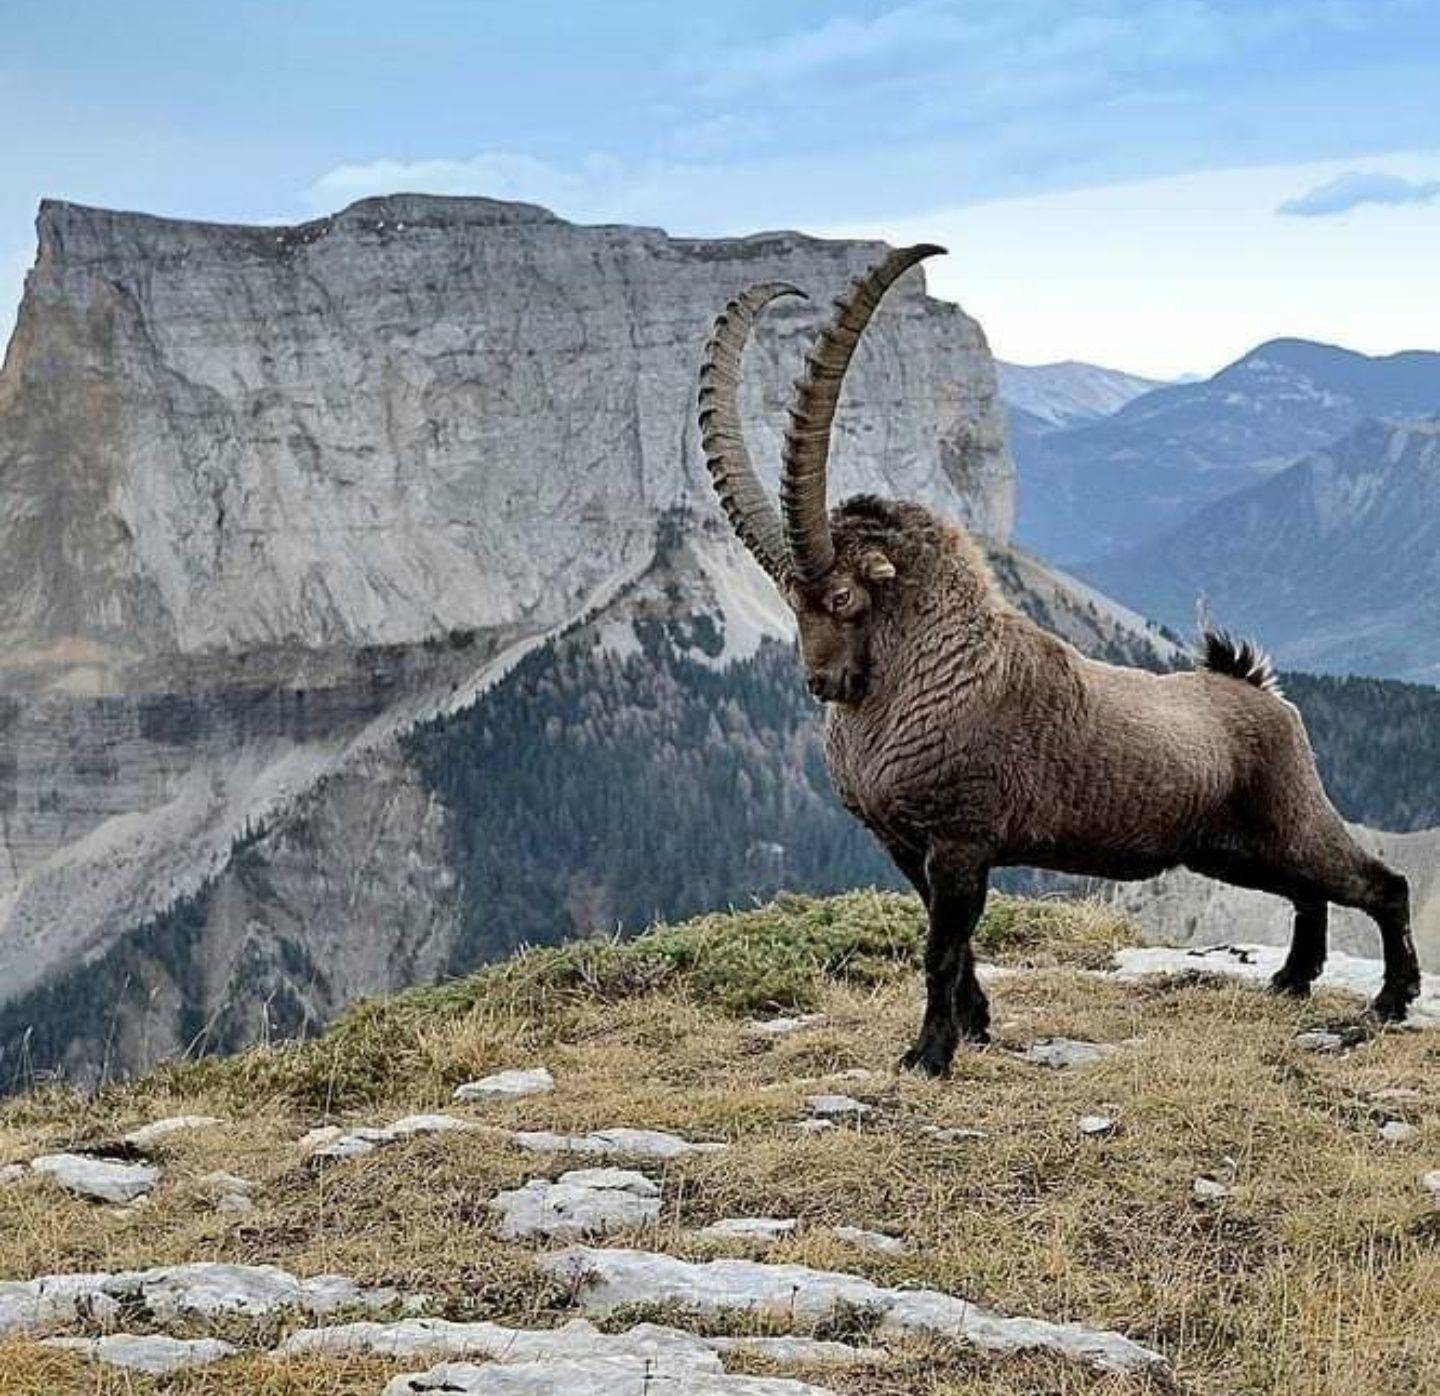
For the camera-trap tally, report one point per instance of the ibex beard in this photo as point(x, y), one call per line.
point(966, 738)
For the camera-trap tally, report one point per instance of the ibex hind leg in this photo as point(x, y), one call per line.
point(1353, 877)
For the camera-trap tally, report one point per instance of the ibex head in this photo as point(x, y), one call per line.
point(828, 580)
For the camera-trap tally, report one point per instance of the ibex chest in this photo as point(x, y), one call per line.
point(890, 776)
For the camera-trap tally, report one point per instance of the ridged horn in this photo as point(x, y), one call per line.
point(722, 436)
point(817, 393)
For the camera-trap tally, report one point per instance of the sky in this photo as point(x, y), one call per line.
point(1155, 185)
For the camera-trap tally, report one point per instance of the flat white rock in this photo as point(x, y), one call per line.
point(1398, 1131)
point(626, 1179)
point(154, 1132)
point(223, 1182)
point(235, 1202)
point(1208, 1190)
point(785, 1024)
point(54, 1299)
point(594, 1376)
point(765, 1230)
point(11, 1172)
point(637, 1143)
point(508, 1085)
point(1431, 1183)
point(1256, 963)
point(813, 1126)
point(438, 1337)
point(153, 1353)
point(104, 1179)
point(951, 1134)
point(567, 1211)
point(1094, 1126)
point(201, 1289)
point(357, 1142)
point(876, 1241)
point(608, 1279)
point(837, 1107)
point(1063, 1052)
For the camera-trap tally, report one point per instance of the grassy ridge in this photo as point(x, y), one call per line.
point(1319, 1275)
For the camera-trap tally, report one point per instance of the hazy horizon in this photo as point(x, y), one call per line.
point(1152, 185)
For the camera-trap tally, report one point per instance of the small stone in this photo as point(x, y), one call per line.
point(10, 1172)
point(837, 1107)
point(781, 1026)
point(323, 1135)
point(152, 1353)
point(1397, 1094)
point(148, 1135)
point(103, 1179)
point(221, 1181)
point(568, 1211)
point(1431, 1183)
point(1061, 1052)
point(234, 1202)
point(507, 1085)
point(1319, 1040)
point(762, 1230)
point(620, 1179)
point(876, 1241)
point(1208, 1190)
point(951, 1134)
point(1398, 1132)
point(1095, 1125)
point(638, 1143)
point(813, 1126)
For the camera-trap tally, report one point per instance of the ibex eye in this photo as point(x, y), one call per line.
point(840, 600)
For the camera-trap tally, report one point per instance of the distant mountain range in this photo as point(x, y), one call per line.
point(1068, 393)
point(1333, 562)
point(1096, 487)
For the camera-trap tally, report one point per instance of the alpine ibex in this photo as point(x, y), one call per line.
point(966, 738)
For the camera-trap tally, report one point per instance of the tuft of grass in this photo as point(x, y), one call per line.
point(779, 957)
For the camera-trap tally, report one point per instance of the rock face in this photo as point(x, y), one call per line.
point(219, 439)
point(270, 495)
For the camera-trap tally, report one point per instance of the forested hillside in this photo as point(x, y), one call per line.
point(594, 791)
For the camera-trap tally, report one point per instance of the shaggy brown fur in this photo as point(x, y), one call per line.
point(971, 739)
point(967, 738)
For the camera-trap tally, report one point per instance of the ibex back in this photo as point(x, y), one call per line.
point(966, 738)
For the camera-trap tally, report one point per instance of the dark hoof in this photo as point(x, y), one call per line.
point(1392, 1005)
point(1289, 983)
point(928, 1059)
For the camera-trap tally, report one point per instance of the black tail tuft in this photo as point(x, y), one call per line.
point(1240, 659)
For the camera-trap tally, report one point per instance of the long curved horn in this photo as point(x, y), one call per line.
point(722, 437)
point(807, 440)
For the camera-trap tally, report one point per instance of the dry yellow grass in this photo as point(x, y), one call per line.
point(1320, 1273)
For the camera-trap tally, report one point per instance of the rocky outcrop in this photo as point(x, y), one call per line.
point(419, 415)
point(270, 496)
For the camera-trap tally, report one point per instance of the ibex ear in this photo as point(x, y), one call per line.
point(877, 568)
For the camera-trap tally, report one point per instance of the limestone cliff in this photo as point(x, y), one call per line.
point(271, 495)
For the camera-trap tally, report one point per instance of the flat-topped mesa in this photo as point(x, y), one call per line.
point(416, 416)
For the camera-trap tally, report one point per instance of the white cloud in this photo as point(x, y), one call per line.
point(1357, 187)
point(1182, 274)
point(582, 191)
